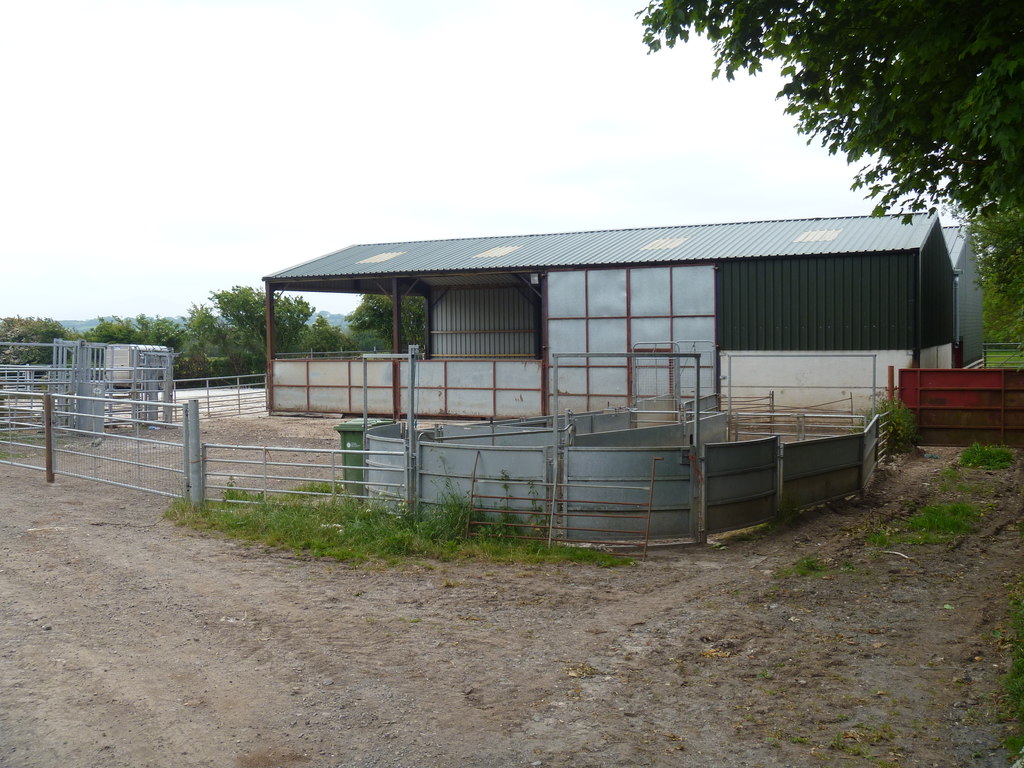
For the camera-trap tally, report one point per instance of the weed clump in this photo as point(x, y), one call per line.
point(899, 425)
point(932, 524)
point(355, 531)
point(980, 456)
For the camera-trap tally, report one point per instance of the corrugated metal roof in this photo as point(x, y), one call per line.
point(956, 240)
point(795, 237)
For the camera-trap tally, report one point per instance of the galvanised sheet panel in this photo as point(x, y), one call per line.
point(597, 476)
point(606, 293)
point(565, 289)
point(570, 381)
point(693, 292)
point(289, 373)
point(289, 399)
point(609, 381)
point(567, 336)
point(693, 329)
point(525, 375)
point(380, 466)
point(714, 429)
point(469, 403)
point(604, 335)
point(644, 330)
point(331, 400)
point(503, 472)
point(510, 405)
point(668, 436)
point(471, 374)
point(814, 471)
point(741, 484)
point(650, 292)
point(430, 401)
point(589, 423)
point(429, 373)
point(328, 373)
point(379, 373)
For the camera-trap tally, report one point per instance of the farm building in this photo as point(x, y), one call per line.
point(807, 311)
point(967, 329)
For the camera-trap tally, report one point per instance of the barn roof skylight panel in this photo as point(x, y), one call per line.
point(817, 236)
point(501, 250)
point(387, 256)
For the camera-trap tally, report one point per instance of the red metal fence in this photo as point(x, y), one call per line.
point(961, 406)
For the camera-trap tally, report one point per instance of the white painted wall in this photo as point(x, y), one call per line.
point(806, 379)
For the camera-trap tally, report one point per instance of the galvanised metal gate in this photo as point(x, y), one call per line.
point(80, 437)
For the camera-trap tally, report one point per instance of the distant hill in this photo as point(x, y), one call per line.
point(333, 318)
point(80, 326)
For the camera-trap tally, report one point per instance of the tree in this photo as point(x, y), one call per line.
point(373, 317)
point(30, 330)
point(930, 95)
point(142, 329)
point(998, 242)
point(321, 336)
point(235, 327)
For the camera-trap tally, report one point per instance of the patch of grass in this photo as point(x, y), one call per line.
point(1014, 682)
point(987, 456)
point(805, 566)
point(944, 521)
point(351, 530)
point(933, 524)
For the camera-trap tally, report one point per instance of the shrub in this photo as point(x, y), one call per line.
point(899, 425)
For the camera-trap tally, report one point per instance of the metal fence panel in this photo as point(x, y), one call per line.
point(117, 449)
point(606, 493)
point(22, 429)
point(225, 395)
point(818, 470)
point(249, 473)
point(741, 484)
point(509, 477)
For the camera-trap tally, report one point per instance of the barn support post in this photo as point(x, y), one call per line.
point(396, 317)
point(271, 344)
point(48, 435)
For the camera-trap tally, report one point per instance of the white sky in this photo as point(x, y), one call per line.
point(152, 151)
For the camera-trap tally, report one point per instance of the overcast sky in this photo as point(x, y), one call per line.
point(154, 151)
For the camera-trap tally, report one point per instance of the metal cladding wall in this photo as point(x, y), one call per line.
point(836, 302)
point(936, 292)
point(968, 295)
point(483, 322)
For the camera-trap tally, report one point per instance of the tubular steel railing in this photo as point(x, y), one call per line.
point(749, 425)
point(225, 395)
point(1000, 355)
point(253, 473)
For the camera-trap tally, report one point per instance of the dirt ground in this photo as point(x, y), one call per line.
point(126, 641)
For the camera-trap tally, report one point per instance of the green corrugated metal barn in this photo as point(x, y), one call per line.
point(798, 307)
